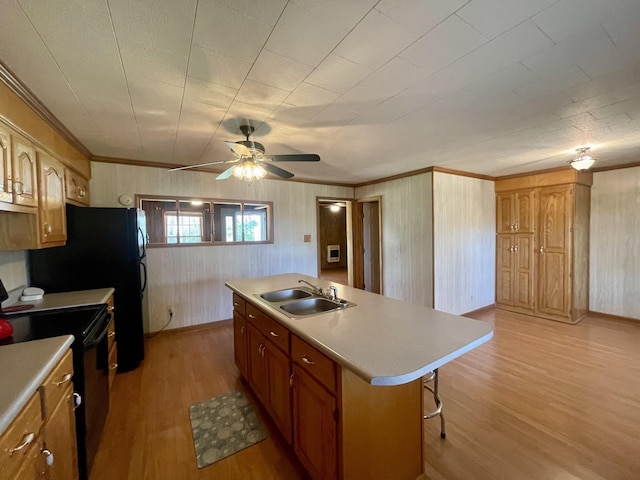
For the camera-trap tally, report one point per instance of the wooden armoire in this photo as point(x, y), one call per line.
point(542, 244)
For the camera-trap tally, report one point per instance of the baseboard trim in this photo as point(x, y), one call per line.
point(609, 316)
point(480, 310)
point(193, 328)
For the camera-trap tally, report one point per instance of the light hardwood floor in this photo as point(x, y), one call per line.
point(541, 400)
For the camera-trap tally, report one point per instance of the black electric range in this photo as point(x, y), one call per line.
point(89, 326)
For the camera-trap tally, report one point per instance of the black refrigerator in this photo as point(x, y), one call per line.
point(106, 247)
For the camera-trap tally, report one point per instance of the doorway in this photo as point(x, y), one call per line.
point(334, 239)
point(367, 233)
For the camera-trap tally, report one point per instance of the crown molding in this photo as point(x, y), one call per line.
point(28, 97)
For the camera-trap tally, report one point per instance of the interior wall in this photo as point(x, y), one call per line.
point(407, 248)
point(333, 231)
point(614, 277)
point(190, 280)
point(464, 226)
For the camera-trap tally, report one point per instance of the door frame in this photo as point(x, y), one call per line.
point(349, 227)
point(358, 243)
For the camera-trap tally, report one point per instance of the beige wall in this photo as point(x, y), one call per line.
point(190, 280)
point(407, 256)
point(614, 280)
point(464, 243)
point(13, 269)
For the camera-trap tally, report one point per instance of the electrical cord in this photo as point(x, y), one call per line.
point(165, 325)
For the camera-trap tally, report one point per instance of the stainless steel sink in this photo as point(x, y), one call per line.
point(310, 306)
point(278, 296)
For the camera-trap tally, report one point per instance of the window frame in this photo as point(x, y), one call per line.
point(269, 221)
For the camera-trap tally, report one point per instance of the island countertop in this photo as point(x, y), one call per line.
point(25, 367)
point(382, 340)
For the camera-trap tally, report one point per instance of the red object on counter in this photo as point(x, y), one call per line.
point(6, 329)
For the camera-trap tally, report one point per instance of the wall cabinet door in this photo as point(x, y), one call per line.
point(314, 426)
point(52, 224)
point(240, 343)
point(6, 193)
point(516, 212)
point(24, 173)
point(554, 286)
point(504, 272)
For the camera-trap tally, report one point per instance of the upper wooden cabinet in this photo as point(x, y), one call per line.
point(52, 224)
point(25, 185)
point(76, 188)
point(542, 246)
point(6, 194)
point(515, 212)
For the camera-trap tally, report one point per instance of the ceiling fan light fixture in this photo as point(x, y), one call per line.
point(584, 159)
point(249, 170)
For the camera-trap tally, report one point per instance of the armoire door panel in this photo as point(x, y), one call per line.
point(553, 291)
point(505, 213)
point(555, 217)
point(524, 211)
point(524, 271)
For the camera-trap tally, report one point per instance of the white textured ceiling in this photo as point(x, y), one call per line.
point(376, 88)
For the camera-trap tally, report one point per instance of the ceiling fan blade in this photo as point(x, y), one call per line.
point(239, 149)
point(201, 165)
point(226, 174)
point(295, 157)
point(277, 170)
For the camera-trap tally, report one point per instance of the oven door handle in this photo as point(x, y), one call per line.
point(102, 332)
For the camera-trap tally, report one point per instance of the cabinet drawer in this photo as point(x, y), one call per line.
point(271, 329)
point(55, 385)
point(239, 304)
point(113, 362)
point(28, 422)
point(319, 366)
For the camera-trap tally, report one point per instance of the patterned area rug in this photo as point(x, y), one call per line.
point(223, 426)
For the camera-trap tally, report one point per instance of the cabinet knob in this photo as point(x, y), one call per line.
point(77, 400)
point(517, 225)
point(26, 441)
point(111, 334)
point(48, 456)
point(252, 316)
point(541, 250)
point(307, 361)
point(515, 249)
point(113, 366)
point(273, 334)
point(17, 188)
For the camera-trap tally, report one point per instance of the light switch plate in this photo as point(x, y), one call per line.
point(307, 239)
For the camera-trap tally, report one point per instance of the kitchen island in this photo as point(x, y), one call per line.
point(345, 386)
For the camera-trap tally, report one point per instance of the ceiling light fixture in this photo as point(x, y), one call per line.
point(249, 170)
point(584, 159)
point(335, 207)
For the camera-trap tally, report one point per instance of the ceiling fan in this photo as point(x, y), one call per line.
point(251, 163)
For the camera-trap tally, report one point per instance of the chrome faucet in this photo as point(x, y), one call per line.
point(334, 290)
point(316, 290)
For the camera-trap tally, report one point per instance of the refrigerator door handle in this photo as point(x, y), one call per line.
point(144, 282)
point(142, 244)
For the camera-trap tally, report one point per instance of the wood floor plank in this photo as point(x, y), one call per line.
point(541, 400)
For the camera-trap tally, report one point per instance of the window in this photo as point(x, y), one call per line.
point(172, 221)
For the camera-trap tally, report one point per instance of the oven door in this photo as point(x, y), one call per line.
point(96, 388)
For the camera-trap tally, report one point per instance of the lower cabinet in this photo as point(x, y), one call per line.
point(40, 443)
point(339, 426)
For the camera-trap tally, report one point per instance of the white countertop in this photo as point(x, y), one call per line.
point(382, 340)
point(24, 368)
point(52, 301)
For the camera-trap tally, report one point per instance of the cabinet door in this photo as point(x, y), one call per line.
point(279, 373)
point(524, 216)
point(240, 343)
point(24, 173)
point(554, 289)
point(60, 439)
point(6, 194)
point(52, 206)
point(76, 188)
point(504, 271)
point(505, 212)
point(314, 426)
point(523, 271)
point(257, 364)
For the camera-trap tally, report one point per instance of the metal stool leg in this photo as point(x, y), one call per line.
point(433, 376)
